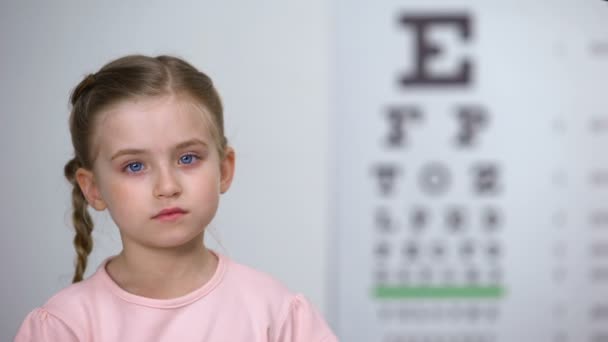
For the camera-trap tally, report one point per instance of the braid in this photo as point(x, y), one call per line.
point(83, 224)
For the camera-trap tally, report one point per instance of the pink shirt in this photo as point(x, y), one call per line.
point(236, 304)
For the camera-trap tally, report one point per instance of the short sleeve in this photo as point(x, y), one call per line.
point(40, 325)
point(302, 323)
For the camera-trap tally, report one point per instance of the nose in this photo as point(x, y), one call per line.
point(167, 184)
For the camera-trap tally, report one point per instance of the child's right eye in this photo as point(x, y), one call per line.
point(134, 167)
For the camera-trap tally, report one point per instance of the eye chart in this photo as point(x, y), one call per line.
point(471, 182)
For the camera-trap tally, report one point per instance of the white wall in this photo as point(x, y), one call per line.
point(269, 60)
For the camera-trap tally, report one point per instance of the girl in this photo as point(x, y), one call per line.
point(149, 147)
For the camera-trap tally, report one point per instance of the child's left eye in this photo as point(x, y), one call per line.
point(188, 158)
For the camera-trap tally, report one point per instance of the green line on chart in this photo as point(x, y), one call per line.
point(443, 292)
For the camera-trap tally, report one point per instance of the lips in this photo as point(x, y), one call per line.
point(169, 212)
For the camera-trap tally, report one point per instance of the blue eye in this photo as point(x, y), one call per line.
point(187, 158)
point(134, 167)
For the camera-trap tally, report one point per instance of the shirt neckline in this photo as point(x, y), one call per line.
point(176, 302)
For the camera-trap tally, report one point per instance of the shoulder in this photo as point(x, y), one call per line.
point(245, 280)
point(301, 322)
point(294, 317)
point(71, 306)
point(60, 318)
point(72, 300)
point(41, 325)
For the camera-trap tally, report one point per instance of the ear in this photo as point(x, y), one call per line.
point(88, 186)
point(227, 170)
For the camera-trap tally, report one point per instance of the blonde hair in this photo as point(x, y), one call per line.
point(126, 78)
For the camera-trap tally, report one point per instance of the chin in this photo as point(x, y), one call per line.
point(177, 239)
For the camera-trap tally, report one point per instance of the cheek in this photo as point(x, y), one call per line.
point(124, 192)
point(206, 185)
point(116, 188)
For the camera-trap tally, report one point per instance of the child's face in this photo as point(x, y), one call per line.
point(154, 154)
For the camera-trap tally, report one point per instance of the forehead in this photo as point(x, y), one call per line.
point(155, 124)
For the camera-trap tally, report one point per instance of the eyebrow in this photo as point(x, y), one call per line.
point(132, 151)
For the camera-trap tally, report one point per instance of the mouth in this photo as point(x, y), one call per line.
point(170, 214)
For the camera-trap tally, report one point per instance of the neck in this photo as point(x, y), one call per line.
point(163, 273)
